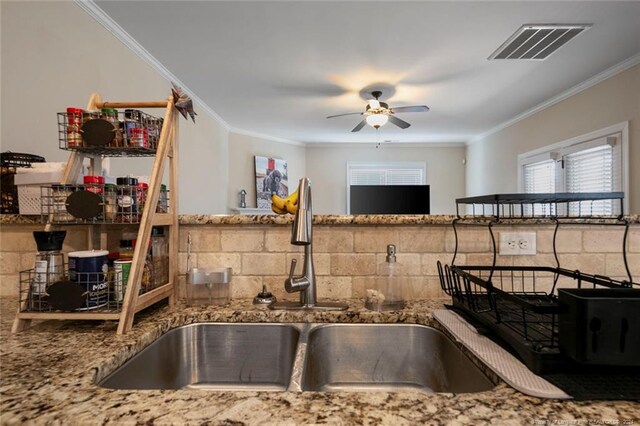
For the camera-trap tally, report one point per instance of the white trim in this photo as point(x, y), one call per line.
point(598, 78)
point(112, 26)
point(622, 128)
point(394, 144)
point(265, 137)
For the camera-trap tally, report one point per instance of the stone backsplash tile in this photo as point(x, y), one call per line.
point(346, 257)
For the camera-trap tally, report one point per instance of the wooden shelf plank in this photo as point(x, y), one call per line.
point(157, 294)
point(162, 219)
point(70, 315)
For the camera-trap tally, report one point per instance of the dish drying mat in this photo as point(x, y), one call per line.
point(586, 383)
point(501, 362)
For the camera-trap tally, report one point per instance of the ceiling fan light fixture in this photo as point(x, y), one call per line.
point(374, 104)
point(377, 120)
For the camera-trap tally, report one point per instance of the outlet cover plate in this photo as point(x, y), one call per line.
point(517, 243)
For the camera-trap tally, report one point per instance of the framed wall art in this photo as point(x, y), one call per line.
point(271, 178)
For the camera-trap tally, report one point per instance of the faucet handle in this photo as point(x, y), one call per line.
point(293, 268)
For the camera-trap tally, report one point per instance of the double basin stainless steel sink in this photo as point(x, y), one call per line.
point(301, 357)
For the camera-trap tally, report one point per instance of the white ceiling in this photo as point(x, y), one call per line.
point(278, 68)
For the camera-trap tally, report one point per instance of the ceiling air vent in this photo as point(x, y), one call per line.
point(537, 42)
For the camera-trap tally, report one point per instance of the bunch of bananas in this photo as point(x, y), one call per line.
point(285, 205)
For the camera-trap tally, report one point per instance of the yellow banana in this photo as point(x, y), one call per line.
point(293, 198)
point(278, 210)
point(291, 207)
point(278, 202)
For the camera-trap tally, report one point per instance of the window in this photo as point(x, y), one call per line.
point(384, 174)
point(590, 163)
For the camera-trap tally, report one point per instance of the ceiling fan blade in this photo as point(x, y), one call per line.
point(414, 108)
point(400, 123)
point(342, 115)
point(359, 126)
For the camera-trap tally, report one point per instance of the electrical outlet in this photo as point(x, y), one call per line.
point(517, 243)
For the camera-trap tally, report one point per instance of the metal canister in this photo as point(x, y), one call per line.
point(127, 199)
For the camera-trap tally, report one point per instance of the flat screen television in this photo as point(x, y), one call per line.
point(389, 199)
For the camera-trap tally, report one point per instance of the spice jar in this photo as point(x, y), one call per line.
point(141, 192)
point(126, 249)
point(74, 124)
point(131, 121)
point(111, 115)
point(139, 138)
point(94, 184)
point(110, 202)
point(127, 199)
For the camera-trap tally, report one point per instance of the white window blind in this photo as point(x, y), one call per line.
point(386, 176)
point(589, 166)
point(540, 177)
point(591, 170)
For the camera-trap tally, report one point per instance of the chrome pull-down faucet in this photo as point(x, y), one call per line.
point(302, 235)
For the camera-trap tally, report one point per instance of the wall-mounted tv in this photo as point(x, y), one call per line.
point(389, 199)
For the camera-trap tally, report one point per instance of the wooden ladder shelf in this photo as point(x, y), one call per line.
point(167, 150)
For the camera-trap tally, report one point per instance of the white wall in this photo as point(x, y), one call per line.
point(243, 148)
point(327, 169)
point(54, 55)
point(492, 161)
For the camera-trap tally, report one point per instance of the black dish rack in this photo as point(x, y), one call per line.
point(524, 306)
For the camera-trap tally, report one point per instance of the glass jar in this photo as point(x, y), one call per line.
point(59, 194)
point(159, 256)
point(74, 125)
point(126, 249)
point(127, 199)
point(110, 202)
point(163, 200)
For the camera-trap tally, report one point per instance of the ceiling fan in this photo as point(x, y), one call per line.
point(378, 113)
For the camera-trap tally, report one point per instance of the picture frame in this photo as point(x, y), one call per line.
point(271, 178)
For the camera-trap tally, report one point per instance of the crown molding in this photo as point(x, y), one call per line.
point(112, 26)
point(265, 137)
point(598, 78)
point(391, 144)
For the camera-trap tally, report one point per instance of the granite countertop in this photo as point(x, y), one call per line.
point(197, 219)
point(48, 374)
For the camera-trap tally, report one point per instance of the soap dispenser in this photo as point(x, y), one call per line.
point(387, 293)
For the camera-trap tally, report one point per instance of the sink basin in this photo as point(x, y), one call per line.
point(213, 356)
point(387, 357)
point(301, 357)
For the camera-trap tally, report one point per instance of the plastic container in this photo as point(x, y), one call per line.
point(208, 286)
point(89, 268)
point(600, 325)
point(388, 291)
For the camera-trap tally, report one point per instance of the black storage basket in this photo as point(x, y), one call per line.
point(521, 307)
point(9, 161)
